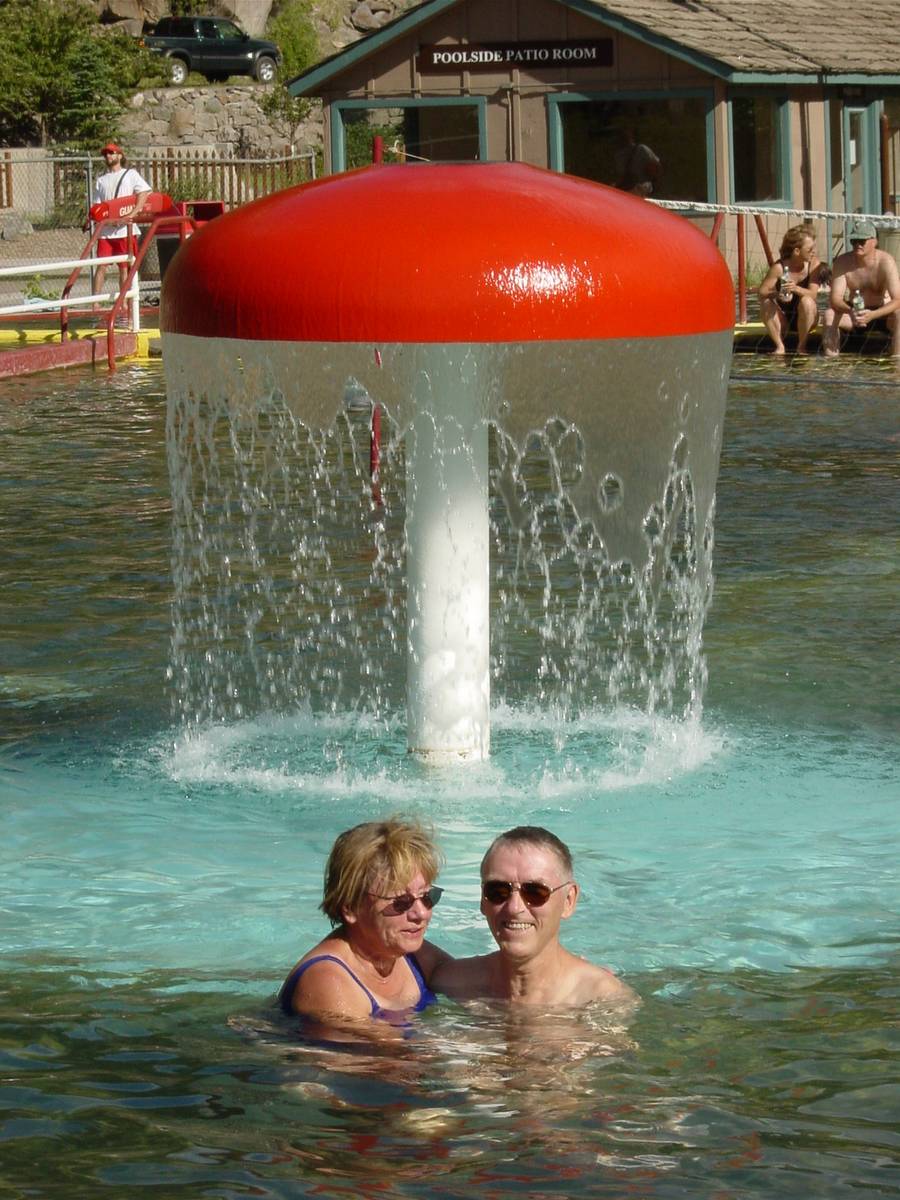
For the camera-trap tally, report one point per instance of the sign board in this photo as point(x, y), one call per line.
point(493, 56)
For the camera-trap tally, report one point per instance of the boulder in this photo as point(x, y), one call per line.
point(14, 226)
point(251, 15)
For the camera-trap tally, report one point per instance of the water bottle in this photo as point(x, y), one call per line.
point(779, 282)
point(857, 303)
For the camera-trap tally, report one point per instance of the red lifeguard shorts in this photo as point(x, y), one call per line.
point(108, 246)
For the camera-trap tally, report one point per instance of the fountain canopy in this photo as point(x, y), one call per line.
point(475, 252)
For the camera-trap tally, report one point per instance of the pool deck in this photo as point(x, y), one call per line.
point(32, 345)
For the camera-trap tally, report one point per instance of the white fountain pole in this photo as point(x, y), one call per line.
point(448, 554)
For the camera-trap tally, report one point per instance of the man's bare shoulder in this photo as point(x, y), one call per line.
point(596, 983)
point(886, 266)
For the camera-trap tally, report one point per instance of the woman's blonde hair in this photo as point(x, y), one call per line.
point(795, 236)
point(384, 853)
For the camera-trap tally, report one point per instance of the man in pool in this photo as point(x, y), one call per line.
point(872, 274)
point(527, 890)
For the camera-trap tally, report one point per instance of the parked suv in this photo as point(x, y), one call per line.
point(213, 46)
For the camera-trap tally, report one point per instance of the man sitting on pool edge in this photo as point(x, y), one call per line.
point(527, 890)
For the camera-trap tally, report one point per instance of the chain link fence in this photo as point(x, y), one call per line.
point(45, 196)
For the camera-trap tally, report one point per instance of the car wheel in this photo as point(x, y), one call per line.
point(264, 69)
point(178, 71)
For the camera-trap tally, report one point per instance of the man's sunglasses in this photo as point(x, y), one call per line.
point(498, 891)
point(404, 902)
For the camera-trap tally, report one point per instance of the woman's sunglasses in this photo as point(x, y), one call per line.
point(498, 891)
point(403, 903)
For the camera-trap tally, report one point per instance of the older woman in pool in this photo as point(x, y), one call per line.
point(379, 894)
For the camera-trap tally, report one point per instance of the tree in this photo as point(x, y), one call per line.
point(62, 79)
point(292, 30)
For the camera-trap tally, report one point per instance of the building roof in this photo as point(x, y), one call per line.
point(804, 37)
point(742, 41)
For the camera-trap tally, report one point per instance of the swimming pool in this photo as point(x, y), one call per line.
point(740, 870)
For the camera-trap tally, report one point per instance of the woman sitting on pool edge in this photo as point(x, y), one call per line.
point(379, 894)
point(787, 295)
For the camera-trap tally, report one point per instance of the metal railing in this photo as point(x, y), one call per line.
point(749, 258)
point(129, 289)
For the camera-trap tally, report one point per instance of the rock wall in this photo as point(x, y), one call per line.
point(227, 117)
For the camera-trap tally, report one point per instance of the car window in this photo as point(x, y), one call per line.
point(209, 29)
point(229, 32)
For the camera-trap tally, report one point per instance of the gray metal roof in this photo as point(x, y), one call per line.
point(744, 41)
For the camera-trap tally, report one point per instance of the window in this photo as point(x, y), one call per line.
point(652, 145)
point(435, 131)
point(229, 32)
point(758, 144)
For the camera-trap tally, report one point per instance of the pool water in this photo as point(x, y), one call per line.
point(739, 869)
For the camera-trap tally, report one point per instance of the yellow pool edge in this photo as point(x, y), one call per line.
point(16, 338)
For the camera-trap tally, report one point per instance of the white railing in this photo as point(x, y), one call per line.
point(43, 305)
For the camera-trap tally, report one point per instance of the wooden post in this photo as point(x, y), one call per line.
point(742, 268)
point(6, 188)
point(886, 172)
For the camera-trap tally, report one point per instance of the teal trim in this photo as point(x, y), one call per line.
point(555, 133)
point(306, 83)
point(869, 155)
point(711, 148)
point(337, 110)
point(859, 80)
point(786, 182)
point(556, 100)
point(783, 158)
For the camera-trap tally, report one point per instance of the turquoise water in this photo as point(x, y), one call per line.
point(741, 871)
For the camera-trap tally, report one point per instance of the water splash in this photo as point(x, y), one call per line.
point(289, 573)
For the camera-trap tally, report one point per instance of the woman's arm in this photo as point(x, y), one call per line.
point(769, 286)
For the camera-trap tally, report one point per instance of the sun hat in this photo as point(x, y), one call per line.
point(111, 146)
point(861, 231)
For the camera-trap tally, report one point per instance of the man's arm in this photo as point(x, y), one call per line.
point(430, 959)
point(838, 292)
point(461, 978)
point(142, 190)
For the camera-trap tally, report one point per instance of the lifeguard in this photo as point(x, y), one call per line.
point(118, 182)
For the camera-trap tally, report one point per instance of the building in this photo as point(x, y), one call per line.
point(791, 106)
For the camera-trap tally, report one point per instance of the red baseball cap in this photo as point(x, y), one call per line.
point(111, 146)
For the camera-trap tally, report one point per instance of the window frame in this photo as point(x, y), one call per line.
point(556, 100)
point(783, 155)
point(339, 107)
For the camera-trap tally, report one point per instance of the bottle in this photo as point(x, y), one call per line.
point(779, 282)
point(857, 303)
